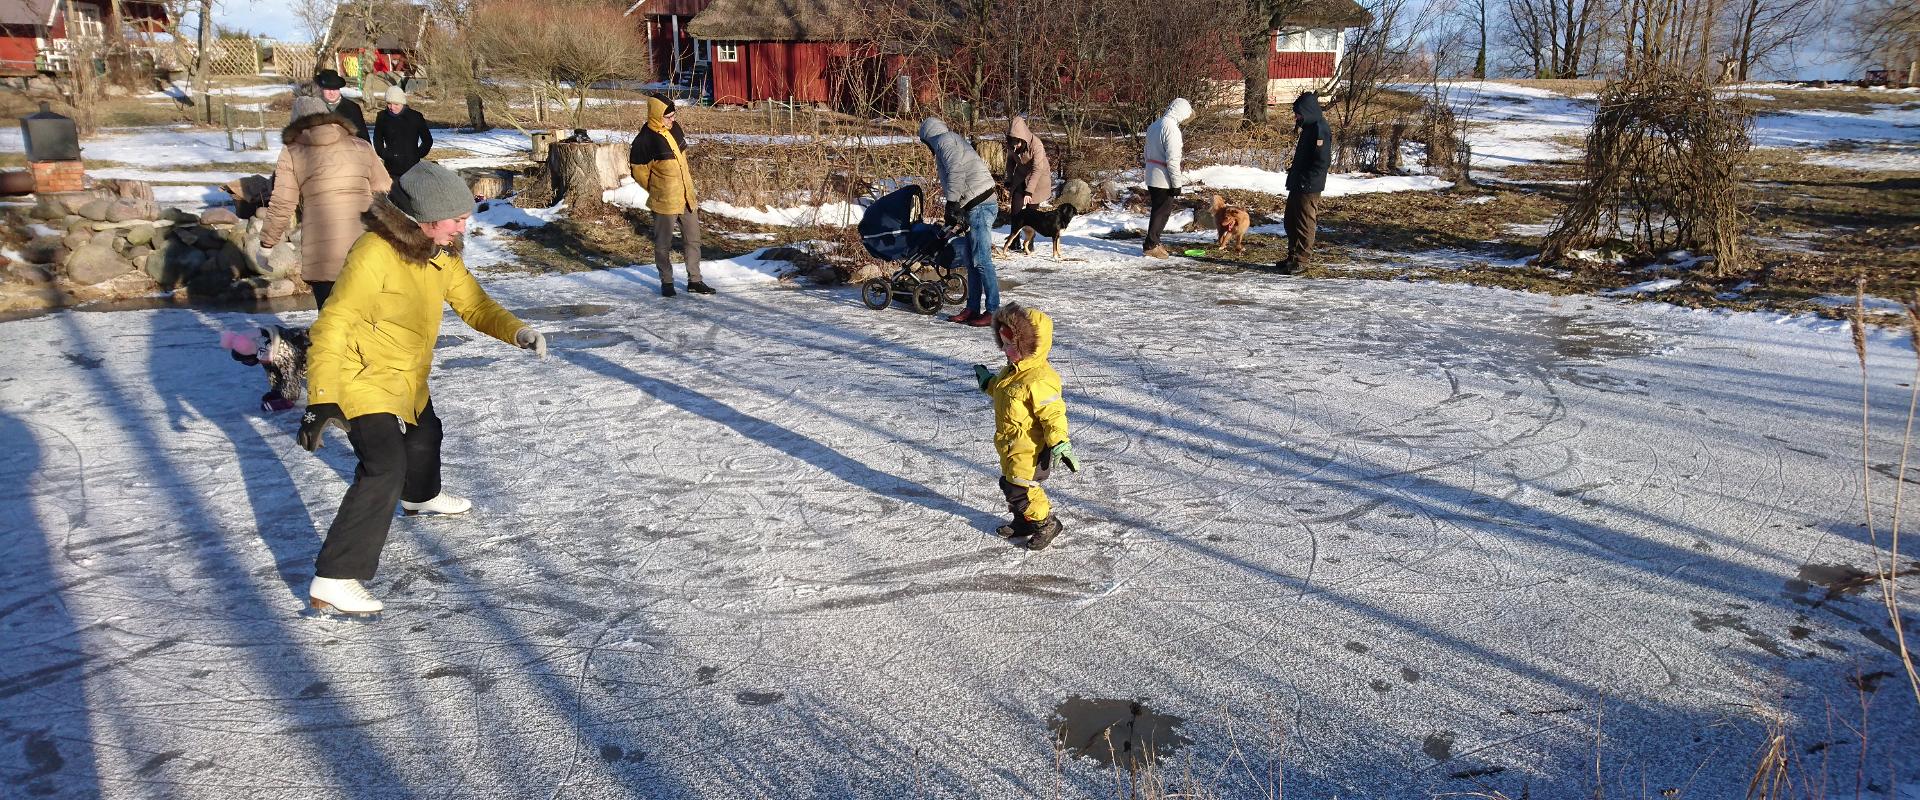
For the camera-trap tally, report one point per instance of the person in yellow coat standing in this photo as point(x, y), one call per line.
point(1029, 421)
point(658, 162)
point(367, 371)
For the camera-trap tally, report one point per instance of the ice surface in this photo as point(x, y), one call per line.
point(741, 546)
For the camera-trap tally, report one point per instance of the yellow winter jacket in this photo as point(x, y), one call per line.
point(658, 162)
point(1029, 413)
point(373, 345)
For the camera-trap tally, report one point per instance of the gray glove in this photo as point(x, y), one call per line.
point(531, 339)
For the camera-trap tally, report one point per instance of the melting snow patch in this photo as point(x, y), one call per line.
point(1876, 305)
point(1648, 287)
point(501, 213)
point(1227, 176)
point(840, 214)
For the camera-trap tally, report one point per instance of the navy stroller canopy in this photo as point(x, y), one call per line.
point(891, 228)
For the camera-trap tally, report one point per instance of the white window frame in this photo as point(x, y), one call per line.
point(1307, 40)
point(726, 52)
point(86, 22)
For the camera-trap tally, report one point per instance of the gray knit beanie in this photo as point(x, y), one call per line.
point(308, 106)
point(430, 193)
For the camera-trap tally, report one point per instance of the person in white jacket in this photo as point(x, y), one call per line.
point(1164, 178)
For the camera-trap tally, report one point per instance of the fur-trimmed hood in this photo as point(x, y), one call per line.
point(1029, 329)
point(386, 220)
point(313, 122)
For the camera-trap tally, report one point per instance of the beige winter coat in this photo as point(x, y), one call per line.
point(330, 176)
point(1027, 166)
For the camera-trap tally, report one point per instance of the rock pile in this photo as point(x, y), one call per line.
point(90, 246)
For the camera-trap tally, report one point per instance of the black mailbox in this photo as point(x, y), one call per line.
point(50, 137)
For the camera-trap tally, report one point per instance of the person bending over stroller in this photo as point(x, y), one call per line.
point(968, 187)
point(1029, 421)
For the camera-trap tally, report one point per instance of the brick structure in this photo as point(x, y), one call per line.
point(58, 176)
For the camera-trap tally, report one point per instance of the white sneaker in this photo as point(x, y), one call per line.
point(342, 596)
point(441, 503)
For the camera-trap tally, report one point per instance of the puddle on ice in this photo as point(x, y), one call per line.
point(562, 313)
point(587, 338)
point(1102, 729)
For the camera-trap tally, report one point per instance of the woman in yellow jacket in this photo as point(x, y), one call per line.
point(367, 371)
point(658, 162)
point(1029, 421)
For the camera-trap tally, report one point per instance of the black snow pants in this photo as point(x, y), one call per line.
point(397, 462)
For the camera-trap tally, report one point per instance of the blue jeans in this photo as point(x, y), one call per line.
point(979, 255)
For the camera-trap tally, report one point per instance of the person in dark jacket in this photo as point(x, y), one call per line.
point(1306, 179)
point(400, 134)
point(330, 84)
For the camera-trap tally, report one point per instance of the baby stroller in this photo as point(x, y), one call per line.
point(930, 272)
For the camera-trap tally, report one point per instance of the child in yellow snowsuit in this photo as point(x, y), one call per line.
point(1029, 420)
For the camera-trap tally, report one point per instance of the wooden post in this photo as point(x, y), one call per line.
point(226, 117)
point(574, 168)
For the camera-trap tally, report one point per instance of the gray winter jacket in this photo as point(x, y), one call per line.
point(1164, 146)
point(963, 173)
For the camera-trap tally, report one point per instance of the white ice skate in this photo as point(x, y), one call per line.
point(441, 504)
point(342, 597)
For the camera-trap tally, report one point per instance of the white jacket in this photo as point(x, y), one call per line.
point(1164, 146)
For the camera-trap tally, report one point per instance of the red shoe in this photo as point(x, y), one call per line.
point(964, 317)
point(981, 320)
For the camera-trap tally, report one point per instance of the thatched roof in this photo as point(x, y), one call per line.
point(1329, 14)
point(776, 21)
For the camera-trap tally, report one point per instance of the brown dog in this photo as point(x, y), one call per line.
point(1230, 222)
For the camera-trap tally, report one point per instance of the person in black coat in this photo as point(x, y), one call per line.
point(400, 134)
point(1306, 180)
point(330, 84)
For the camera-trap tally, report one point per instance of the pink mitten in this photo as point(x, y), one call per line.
point(238, 343)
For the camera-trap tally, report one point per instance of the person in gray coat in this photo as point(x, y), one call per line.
point(1164, 178)
point(967, 186)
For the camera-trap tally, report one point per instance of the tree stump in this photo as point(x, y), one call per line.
point(575, 171)
point(611, 160)
point(128, 189)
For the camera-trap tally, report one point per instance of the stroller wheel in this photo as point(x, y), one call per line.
point(955, 288)
point(877, 293)
point(926, 297)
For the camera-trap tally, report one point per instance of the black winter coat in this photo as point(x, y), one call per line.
point(1313, 155)
point(401, 139)
point(350, 111)
point(650, 146)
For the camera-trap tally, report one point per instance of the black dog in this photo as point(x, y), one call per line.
point(1033, 222)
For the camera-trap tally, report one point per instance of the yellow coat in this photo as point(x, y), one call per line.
point(373, 345)
point(658, 162)
point(1029, 412)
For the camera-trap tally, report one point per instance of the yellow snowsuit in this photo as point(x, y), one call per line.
point(1029, 417)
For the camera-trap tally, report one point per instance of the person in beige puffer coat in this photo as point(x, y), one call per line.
point(330, 176)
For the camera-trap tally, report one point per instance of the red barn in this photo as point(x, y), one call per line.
point(773, 49)
point(670, 46)
point(1307, 50)
point(37, 35)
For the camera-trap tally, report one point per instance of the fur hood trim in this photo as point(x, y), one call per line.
point(387, 221)
point(291, 133)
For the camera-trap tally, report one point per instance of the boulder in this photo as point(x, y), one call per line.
point(95, 209)
point(283, 288)
point(104, 237)
point(32, 274)
point(283, 259)
point(179, 217)
point(94, 264)
point(140, 234)
point(81, 224)
point(220, 216)
point(130, 210)
point(49, 206)
point(188, 235)
point(158, 270)
point(74, 239)
point(138, 254)
point(44, 250)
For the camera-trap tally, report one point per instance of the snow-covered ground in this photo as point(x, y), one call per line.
point(1381, 539)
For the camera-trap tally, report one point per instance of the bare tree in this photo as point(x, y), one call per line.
point(557, 48)
point(203, 61)
point(1555, 38)
point(1767, 32)
point(1255, 23)
point(1887, 35)
point(316, 19)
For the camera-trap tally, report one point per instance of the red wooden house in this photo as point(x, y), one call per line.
point(813, 51)
point(43, 35)
point(773, 49)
